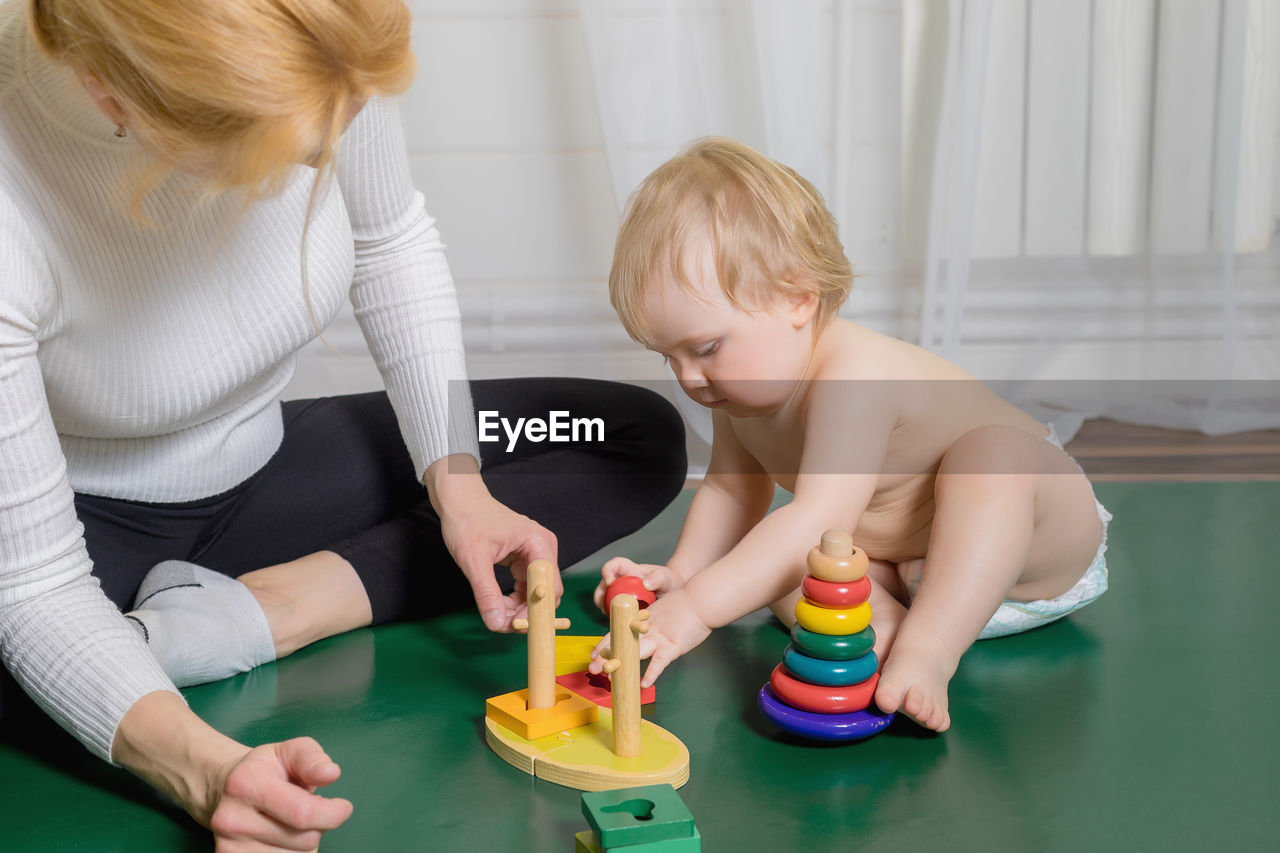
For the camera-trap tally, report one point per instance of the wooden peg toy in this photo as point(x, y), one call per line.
point(602, 750)
point(541, 626)
point(626, 623)
point(543, 707)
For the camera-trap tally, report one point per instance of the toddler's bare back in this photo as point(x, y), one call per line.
point(911, 404)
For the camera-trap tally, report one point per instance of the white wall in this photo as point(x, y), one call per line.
point(506, 145)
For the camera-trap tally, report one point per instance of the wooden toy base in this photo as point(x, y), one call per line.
point(583, 758)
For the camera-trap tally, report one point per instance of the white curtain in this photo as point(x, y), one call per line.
point(1076, 201)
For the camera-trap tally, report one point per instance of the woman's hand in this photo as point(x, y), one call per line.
point(674, 628)
point(480, 532)
point(657, 579)
point(267, 799)
point(254, 800)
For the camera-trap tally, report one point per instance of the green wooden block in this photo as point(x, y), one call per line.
point(689, 844)
point(585, 842)
point(627, 817)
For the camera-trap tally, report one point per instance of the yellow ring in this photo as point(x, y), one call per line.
point(833, 621)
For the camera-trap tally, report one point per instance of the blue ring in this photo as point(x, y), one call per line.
point(832, 727)
point(830, 673)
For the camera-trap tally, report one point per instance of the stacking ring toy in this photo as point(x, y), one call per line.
point(820, 699)
point(828, 594)
point(633, 585)
point(833, 646)
point(826, 620)
point(832, 673)
point(834, 727)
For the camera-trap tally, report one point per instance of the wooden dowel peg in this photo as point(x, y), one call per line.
point(625, 675)
point(836, 543)
point(542, 635)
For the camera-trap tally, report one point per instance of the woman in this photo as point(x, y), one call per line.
point(163, 255)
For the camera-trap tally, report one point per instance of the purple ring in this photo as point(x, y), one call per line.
point(834, 727)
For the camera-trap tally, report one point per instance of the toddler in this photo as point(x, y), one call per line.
point(975, 520)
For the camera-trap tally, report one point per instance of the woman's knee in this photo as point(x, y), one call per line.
point(652, 432)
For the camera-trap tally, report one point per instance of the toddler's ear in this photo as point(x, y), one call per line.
point(801, 306)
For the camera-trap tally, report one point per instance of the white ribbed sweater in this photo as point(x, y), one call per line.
point(146, 363)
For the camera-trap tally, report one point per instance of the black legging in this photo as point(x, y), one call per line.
point(342, 481)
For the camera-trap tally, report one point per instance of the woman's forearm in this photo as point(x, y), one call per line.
point(162, 741)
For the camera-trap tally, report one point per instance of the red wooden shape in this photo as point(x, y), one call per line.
point(836, 595)
point(598, 688)
point(820, 699)
point(633, 585)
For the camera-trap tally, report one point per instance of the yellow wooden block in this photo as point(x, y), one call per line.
point(585, 842)
point(573, 653)
point(512, 711)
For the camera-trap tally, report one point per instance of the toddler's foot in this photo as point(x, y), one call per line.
point(913, 681)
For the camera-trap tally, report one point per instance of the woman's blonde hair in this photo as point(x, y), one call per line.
point(768, 229)
point(245, 88)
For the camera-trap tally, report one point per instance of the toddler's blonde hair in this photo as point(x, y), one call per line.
point(246, 88)
point(768, 229)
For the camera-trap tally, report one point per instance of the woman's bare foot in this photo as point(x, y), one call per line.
point(913, 681)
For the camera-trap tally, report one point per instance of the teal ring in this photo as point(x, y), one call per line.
point(830, 673)
point(833, 646)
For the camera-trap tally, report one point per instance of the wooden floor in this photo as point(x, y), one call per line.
point(1111, 451)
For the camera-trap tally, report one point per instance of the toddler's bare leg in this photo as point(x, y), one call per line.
point(309, 598)
point(994, 489)
point(785, 608)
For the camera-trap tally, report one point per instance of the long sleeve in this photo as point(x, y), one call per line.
point(403, 292)
point(68, 646)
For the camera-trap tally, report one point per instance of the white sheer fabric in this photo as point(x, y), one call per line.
point(1052, 193)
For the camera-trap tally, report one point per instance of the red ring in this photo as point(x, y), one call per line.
point(836, 595)
point(633, 585)
point(820, 699)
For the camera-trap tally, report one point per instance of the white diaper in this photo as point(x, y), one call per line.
point(1016, 616)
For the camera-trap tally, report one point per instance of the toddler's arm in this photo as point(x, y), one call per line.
point(733, 497)
point(839, 471)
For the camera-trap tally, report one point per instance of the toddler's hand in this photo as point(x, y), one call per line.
point(674, 629)
point(658, 579)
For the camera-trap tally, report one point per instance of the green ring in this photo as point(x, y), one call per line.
point(833, 646)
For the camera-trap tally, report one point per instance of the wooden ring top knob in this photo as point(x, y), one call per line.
point(836, 559)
